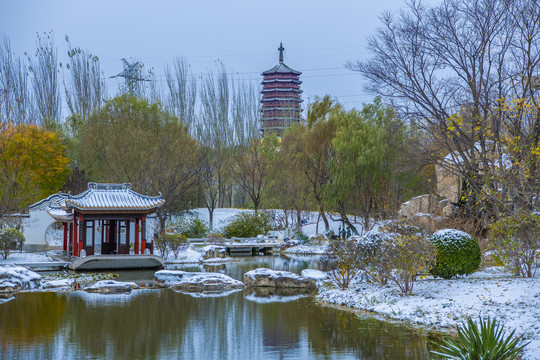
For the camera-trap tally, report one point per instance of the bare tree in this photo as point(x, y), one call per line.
point(45, 84)
point(182, 93)
point(215, 130)
point(452, 70)
point(85, 86)
point(15, 95)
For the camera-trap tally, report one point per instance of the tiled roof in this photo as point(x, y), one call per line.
point(112, 197)
point(281, 68)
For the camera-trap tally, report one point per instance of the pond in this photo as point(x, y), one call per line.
point(164, 324)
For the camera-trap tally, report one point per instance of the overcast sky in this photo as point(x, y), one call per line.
point(319, 36)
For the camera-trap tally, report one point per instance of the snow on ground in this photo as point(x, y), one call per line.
point(307, 250)
point(16, 257)
point(442, 303)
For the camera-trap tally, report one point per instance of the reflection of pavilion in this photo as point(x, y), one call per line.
point(106, 219)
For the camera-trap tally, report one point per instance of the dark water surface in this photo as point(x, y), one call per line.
point(164, 324)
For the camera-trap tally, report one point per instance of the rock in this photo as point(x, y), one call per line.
point(111, 287)
point(277, 279)
point(195, 281)
point(316, 275)
point(317, 239)
point(423, 204)
point(16, 278)
point(58, 283)
point(446, 208)
point(213, 251)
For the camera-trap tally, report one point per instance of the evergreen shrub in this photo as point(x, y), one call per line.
point(248, 224)
point(190, 227)
point(458, 253)
point(10, 239)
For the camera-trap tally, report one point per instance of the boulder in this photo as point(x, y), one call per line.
point(196, 281)
point(58, 283)
point(213, 251)
point(16, 278)
point(111, 287)
point(317, 239)
point(423, 204)
point(277, 279)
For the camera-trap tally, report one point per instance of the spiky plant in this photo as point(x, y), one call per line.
point(484, 340)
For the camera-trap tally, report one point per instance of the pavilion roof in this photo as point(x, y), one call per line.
point(112, 197)
point(281, 68)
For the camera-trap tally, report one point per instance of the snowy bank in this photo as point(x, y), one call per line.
point(439, 303)
point(17, 278)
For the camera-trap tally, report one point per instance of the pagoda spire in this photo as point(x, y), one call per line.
point(281, 48)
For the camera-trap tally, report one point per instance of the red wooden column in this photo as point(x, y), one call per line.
point(64, 244)
point(70, 236)
point(136, 236)
point(74, 236)
point(81, 230)
point(143, 230)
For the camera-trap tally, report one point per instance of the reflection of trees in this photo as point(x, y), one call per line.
point(367, 338)
point(165, 324)
point(30, 319)
point(138, 329)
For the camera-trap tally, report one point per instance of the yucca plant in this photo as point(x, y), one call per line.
point(484, 340)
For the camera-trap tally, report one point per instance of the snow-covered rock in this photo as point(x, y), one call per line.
point(277, 279)
point(111, 287)
point(213, 251)
point(316, 275)
point(17, 278)
point(58, 283)
point(195, 281)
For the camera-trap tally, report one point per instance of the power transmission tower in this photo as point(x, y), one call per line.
point(132, 74)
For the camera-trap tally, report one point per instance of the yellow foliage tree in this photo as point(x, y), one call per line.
point(33, 165)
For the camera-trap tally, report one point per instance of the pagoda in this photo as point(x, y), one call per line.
point(280, 97)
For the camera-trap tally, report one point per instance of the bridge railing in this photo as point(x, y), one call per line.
point(233, 240)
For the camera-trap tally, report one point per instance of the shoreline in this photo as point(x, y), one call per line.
point(442, 305)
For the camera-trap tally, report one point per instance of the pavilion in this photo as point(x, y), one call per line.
point(106, 219)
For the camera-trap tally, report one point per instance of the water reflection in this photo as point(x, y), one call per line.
point(163, 324)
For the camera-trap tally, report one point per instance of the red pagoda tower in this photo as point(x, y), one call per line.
point(280, 97)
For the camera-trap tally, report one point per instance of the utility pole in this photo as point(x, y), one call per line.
point(132, 75)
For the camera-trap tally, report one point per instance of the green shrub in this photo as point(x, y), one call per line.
point(458, 253)
point(161, 244)
point(485, 340)
point(10, 239)
point(190, 227)
point(516, 241)
point(300, 236)
point(176, 243)
point(248, 224)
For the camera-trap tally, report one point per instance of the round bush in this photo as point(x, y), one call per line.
point(458, 253)
point(248, 224)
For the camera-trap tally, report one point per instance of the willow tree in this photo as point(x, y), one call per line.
point(131, 140)
point(365, 164)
